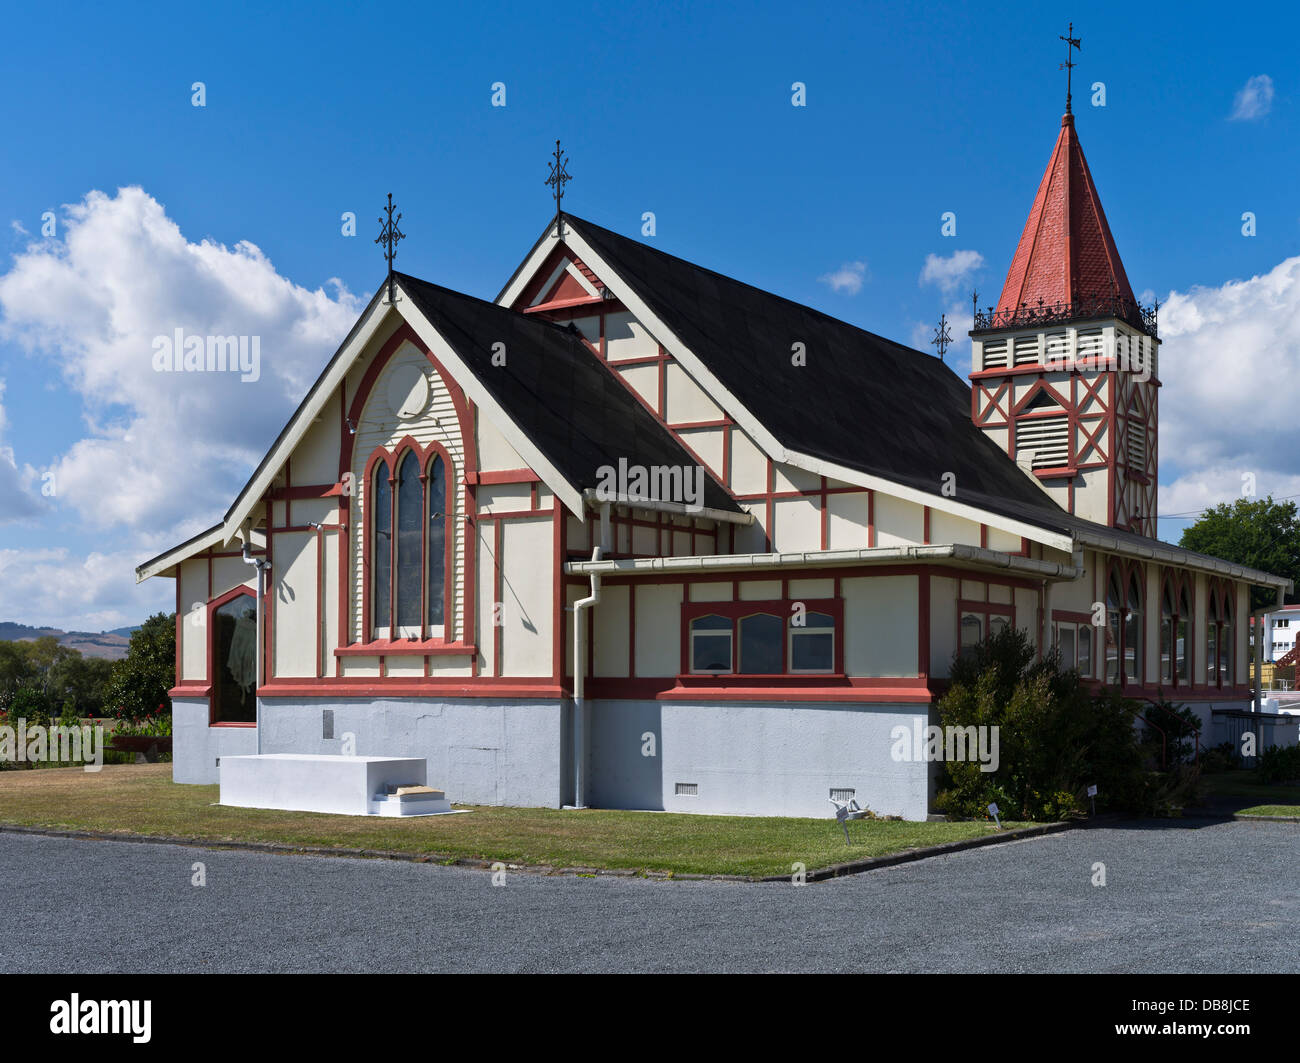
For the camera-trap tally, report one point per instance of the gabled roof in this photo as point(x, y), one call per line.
point(861, 401)
point(564, 399)
point(1066, 254)
point(570, 414)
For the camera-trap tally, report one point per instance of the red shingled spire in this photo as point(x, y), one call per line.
point(1066, 253)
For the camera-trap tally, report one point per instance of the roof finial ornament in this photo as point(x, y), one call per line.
point(1071, 41)
point(559, 175)
point(942, 337)
point(389, 234)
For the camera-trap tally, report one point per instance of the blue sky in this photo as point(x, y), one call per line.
point(315, 110)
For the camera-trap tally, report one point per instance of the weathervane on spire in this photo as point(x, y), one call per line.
point(389, 234)
point(559, 175)
point(1071, 41)
point(942, 337)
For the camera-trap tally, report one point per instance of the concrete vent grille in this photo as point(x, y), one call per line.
point(688, 789)
point(843, 794)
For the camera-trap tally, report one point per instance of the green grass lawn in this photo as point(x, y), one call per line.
point(142, 800)
point(1270, 810)
point(1274, 800)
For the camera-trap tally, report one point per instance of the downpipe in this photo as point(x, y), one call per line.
point(580, 665)
point(263, 566)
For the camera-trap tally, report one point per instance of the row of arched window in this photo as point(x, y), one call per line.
point(1124, 657)
point(407, 544)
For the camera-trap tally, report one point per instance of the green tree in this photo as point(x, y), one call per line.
point(17, 671)
point(1259, 533)
point(140, 681)
point(81, 683)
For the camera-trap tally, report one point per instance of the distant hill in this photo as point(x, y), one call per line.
point(110, 645)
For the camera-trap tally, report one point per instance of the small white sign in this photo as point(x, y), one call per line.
point(842, 813)
point(1092, 791)
point(993, 809)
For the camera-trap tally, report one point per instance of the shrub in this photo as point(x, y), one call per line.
point(1054, 737)
point(1171, 733)
point(1220, 758)
point(1278, 764)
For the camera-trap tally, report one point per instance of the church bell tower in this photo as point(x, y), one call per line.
point(1064, 367)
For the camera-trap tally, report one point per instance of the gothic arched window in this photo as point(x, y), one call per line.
point(436, 578)
point(381, 550)
point(1133, 631)
point(408, 544)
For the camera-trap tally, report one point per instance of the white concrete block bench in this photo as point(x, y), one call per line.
point(318, 782)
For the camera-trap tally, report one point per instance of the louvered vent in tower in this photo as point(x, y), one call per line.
point(1136, 445)
point(995, 354)
point(1026, 350)
point(1043, 442)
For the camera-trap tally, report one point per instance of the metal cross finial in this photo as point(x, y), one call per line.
point(1071, 41)
point(389, 234)
point(942, 337)
point(559, 175)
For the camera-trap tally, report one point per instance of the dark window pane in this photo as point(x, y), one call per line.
point(234, 657)
point(760, 644)
point(1133, 633)
point(1166, 649)
point(1180, 651)
point(812, 620)
point(437, 560)
point(712, 622)
point(711, 653)
point(812, 653)
point(381, 545)
point(1085, 650)
point(972, 631)
point(1065, 639)
point(408, 545)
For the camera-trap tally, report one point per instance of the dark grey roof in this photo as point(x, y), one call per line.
point(572, 407)
point(861, 400)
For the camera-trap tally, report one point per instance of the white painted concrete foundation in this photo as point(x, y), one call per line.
point(307, 782)
point(753, 758)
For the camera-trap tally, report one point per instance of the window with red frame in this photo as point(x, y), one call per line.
point(1219, 637)
point(763, 638)
point(408, 546)
point(1175, 618)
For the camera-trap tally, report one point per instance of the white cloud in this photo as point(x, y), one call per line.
point(1254, 99)
point(92, 593)
point(162, 447)
point(948, 273)
point(847, 280)
point(1226, 363)
point(18, 502)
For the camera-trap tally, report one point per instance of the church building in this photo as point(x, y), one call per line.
point(639, 535)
